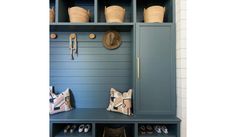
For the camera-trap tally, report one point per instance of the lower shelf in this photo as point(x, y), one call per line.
point(76, 134)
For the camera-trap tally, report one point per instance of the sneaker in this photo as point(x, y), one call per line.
point(149, 129)
point(81, 128)
point(87, 128)
point(164, 129)
point(158, 129)
point(72, 129)
point(66, 129)
point(142, 129)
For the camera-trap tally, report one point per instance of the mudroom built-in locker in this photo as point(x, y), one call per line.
point(100, 47)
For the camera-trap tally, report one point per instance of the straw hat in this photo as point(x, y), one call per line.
point(111, 40)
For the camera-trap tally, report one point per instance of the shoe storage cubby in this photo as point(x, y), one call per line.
point(126, 4)
point(52, 3)
point(168, 4)
point(100, 129)
point(72, 130)
point(157, 129)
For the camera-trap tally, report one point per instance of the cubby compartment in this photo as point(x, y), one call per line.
point(168, 4)
point(52, 4)
point(58, 130)
point(100, 128)
point(95, 70)
point(127, 4)
point(171, 129)
point(63, 6)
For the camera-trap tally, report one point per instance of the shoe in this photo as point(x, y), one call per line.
point(142, 129)
point(66, 129)
point(164, 129)
point(158, 129)
point(149, 129)
point(87, 128)
point(72, 129)
point(81, 128)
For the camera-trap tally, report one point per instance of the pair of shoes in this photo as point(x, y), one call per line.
point(146, 129)
point(159, 129)
point(70, 128)
point(84, 128)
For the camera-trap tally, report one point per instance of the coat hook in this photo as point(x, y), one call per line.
point(73, 45)
point(92, 36)
point(53, 35)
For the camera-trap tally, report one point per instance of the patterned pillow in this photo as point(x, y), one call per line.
point(120, 102)
point(59, 102)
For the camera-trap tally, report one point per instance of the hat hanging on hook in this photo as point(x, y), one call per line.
point(111, 40)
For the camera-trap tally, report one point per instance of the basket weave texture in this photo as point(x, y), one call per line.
point(154, 14)
point(114, 14)
point(78, 14)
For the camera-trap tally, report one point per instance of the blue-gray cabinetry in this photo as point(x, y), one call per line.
point(155, 79)
point(145, 62)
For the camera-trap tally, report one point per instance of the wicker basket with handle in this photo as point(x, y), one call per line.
point(78, 14)
point(114, 14)
point(154, 14)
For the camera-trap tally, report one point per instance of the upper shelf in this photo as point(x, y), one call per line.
point(66, 26)
point(134, 9)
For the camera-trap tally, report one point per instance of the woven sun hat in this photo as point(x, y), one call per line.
point(111, 40)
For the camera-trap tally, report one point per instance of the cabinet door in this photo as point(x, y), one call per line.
point(156, 70)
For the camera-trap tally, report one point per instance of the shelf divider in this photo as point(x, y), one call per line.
point(95, 11)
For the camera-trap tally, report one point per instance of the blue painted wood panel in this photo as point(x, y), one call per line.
point(94, 71)
point(156, 89)
point(70, 65)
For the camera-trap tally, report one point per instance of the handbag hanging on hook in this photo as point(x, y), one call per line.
point(73, 45)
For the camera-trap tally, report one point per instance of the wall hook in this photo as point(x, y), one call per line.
point(73, 45)
point(53, 35)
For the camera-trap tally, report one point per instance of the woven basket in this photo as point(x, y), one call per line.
point(154, 14)
point(114, 14)
point(52, 15)
point(78, 14)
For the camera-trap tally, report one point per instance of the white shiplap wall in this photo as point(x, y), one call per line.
point(181, 62)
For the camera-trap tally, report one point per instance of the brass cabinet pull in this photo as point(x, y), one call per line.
point(138, 67)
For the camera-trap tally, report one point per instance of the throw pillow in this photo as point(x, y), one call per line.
point(59, 102)
point(120, 102)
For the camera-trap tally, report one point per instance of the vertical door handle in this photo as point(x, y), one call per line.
point(138, 67)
